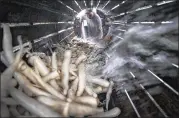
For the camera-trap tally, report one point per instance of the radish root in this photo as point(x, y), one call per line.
point(32, 105)
point(7, 43)
point(65, 71)
point(109, 114)
point(47, 87)
point(40, 65)
point(82, 79)
point(101, 82)
point(8, 73)
point(108, 94)
point(69, 109)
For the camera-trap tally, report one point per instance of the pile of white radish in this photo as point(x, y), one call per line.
point(50, 86)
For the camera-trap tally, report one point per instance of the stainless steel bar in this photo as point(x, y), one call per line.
point(132, 74)
point(167, 85)
point(120, 37)
point(135, 109)
point(32, 24)
point(153, 100)
point(67, 36)
point(152, 22)
point(98, 4)
point(175, 65)
point(116, 6)
point(77, 4)
point(85, 3)
point(91, 3)
point(121, 30)
point(67, 6)
point(144, 8)
point(16, 48)
point(117, 23)
point(52, 34)
point(106, 4)
point(38, 7)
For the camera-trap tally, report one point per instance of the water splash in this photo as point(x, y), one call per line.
point(144, 47)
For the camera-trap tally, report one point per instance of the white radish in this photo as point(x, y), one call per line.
point(30, 89)
point(37, 86)
point(13, 111)
point(53, 82)
point(82, 79)
point(50, 76)
point(81, 110)
point(100, 89)
point(21, 109)
point(22, 83)
point(38, 92)
point(32, 105)
point(27, 113)
point(39, 54)
point(73, 73)
point(26, 70)
point(80, 59)
point(9, 101)
point(73, 69)
point(72, 78)
point(7, 43)
point(90, 92)
point(20, 88)
point(108, 114)
point(4, 60)
point(101, 82)
point(36, 70)
point(73, 89)
point(48, 60)
point(59, 63)
point(69, 109)
point(87, 100)
point(8, 73)
point(65, 71)
point(28, 92)
point(13, 82)
point(54, 62)
point(108, 94)
point(40, 65)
